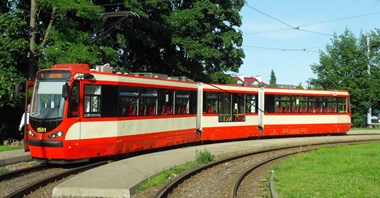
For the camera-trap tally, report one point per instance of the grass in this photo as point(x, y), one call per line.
point(367, 128)
point(4, 170)
point(345, 171)
point(202, 157)
point(8, 148)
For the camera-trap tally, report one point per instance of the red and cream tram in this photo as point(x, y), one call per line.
point(79, 113)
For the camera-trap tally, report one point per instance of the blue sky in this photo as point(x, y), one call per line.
point(270, 43)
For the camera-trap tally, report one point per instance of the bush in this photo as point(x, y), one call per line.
point(203, 157)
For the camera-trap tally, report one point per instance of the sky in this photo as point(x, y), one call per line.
point(271, 40)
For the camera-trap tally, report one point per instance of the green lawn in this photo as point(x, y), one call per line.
point(8, 148)
point(344, 171)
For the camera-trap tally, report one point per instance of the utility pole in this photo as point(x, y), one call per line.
point(369, 114)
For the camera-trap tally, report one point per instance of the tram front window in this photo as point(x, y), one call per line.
point(47, 102)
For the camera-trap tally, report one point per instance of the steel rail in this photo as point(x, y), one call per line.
point(16, 173)
point(35, 185)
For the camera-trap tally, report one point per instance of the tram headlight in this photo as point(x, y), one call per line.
point(31, 134)
point(55, 135)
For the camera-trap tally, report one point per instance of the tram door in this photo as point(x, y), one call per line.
point(28, 98)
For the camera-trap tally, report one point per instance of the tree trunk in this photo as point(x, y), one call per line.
point(32, 42)
point(48, 29)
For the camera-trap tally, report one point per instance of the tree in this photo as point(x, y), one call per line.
point(273, 79)
point(345, 65)
point(198, 39)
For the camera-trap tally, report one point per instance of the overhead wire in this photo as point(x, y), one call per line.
point(287, 24)
point(340, 19)
point(310, 24)
point(284, 49)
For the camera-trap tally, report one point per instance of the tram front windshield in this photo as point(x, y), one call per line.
point(47, 102)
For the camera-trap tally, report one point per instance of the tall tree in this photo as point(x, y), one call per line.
point(64, 30)
point(12, 46)
point(345, 65)
point(198, 39)
point(273, 79)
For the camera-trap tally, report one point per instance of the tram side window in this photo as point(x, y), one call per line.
point(182, 100)
point(231, 107)
point(185, 102)
point(211, 102)
point(148, 102)
point(165, 102)
point(109, 101)
point(74, 100)
point(128, 100)
point(225, 107)
point(238, 106)
point(92, 99)
point(251, 103)
point(193, 102)
point(332, 105)
point(269, 103)
point(342, 108)
point(285, 104)
point(315, 105)
point(302, 104)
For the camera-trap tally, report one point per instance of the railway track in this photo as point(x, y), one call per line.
point(22, 182)
point(238, 176)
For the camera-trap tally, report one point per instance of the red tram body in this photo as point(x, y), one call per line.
point(78, 113)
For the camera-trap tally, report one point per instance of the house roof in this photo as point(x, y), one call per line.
point(248, 81)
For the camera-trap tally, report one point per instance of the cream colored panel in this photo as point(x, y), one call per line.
point(147, 81)
point(304, 119)
point(129, 127)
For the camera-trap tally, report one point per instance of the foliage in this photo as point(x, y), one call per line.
point(220, 77)
point(205, 34)
point(11, 44)
point(345, 171)
point(344, 65)
point(68, 42)
point(299, 86)
point(197, 39)
point(273, 79)
point(203, 157)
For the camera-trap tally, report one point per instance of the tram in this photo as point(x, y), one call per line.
point(78, 113)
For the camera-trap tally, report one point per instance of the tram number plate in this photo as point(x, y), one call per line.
point(41, 130)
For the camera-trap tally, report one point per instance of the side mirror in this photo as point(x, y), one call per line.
point(65, 90)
